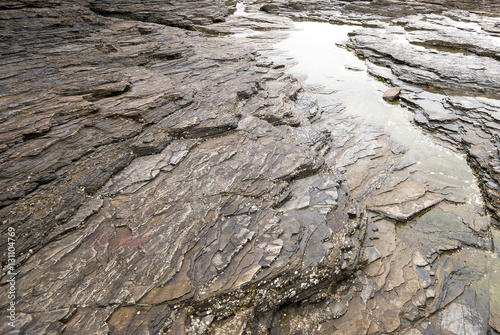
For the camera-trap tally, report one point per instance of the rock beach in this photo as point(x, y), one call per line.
point(165, 172)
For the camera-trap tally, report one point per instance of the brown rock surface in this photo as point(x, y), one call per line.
point(392, 93)
point(164, 176)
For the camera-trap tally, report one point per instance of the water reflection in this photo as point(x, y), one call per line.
point(320, 62)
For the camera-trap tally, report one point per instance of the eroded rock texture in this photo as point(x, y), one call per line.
point(183, 13)
point(363, 11)
point(447, 64)
point(450, 48)
point(453, 54)
point(164, 176)
point(152, 174)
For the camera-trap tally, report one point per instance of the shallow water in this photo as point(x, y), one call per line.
point(324, 66)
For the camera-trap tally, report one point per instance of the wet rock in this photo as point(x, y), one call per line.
point(164, 181)
point(353, 68)
point(423, 44)
point(153, 177)
point(463, 318)
point(364, 11)
point(392, 93)
point(270, 8)
point(185, 14)
point(416, 65)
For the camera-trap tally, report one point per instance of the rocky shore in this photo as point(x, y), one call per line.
point(165, 175)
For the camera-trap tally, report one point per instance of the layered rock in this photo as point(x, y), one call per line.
point(164, 180)
point(336, 11)
point(153, 176)
point(422, 214)
point(447, 66)
point(184, 13)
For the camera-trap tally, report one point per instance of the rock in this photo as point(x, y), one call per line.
point(270, 8)
point(424, 43)
point(167, 180)
point(366, 11)
point(392, 94)
point(184, 13)
point(353, 68)
point(153, 176)
point(453, 71)
point(462, 319)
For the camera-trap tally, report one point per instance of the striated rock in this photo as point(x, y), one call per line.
point(366, 11)
point(467, 122)
point(454, 72)
point(405, 275)
point(270, 8)
point(165, 180)
point(153, 176)
point(185, 13)
point(392, 94)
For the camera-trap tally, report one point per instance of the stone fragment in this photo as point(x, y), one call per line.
point(392, 93)
point(269, 8)
point(464, 318)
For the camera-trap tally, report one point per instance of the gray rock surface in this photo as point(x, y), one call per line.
point(180, 13)
point(165, 175)
point(448, 56)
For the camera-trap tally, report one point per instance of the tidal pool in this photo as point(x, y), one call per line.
point(330, 72)
point(325, 68)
